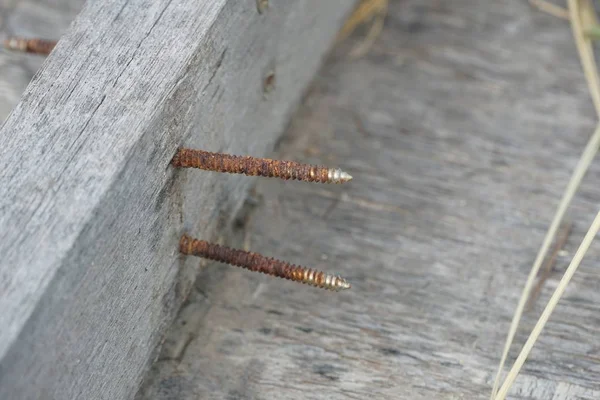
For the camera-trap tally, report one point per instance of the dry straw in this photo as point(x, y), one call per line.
point(582, 17)
point(367, 10)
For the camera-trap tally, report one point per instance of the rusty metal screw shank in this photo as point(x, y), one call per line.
point(188, 158)
point(258, 263)
point(36, 46)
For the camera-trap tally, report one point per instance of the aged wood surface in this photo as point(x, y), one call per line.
point(461, 129)
point(90, 209)
point(38, 18)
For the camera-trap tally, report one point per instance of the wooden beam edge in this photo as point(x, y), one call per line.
point(91, 209)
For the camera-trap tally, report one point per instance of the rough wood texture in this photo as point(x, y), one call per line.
point(29, 18)
point(461, 130)
point(90, 209)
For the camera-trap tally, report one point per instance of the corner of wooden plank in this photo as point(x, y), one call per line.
point(91, 211)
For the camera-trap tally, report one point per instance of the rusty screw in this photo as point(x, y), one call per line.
point(35, 46)
point(258, 263)
point(188, 158)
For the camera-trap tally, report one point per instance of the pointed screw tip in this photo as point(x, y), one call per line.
point(345, 285)
point(345, 177)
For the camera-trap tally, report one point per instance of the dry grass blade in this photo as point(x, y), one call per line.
point(363, 48)
point(366, 11)
point(547, 270)
point(550, 8)
point(577, 177)
point(539, 326)
point(581, 14)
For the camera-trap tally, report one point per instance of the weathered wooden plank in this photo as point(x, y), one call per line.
point(460, 129)
point(91, 211)
point(28, 18)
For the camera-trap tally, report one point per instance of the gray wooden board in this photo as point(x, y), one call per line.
point(90, 209)
point(472, 116)
point(28, 18)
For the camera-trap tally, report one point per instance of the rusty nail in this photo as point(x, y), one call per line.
point(262, 5)
point(258, 263)
point(35, 46)
point(189, 158)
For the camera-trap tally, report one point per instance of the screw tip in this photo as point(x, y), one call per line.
point(15, 43)
point(338, 176)
point(345, 285)
point(345, 177)
point(340, 283)
point(9, 43)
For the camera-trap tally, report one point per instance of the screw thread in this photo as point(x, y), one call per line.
point(37, 46)
point(258, 263)
point(252, 166)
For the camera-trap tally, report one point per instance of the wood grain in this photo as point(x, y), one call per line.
point(28, 18)
point(90, 209)
point(461, 129)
